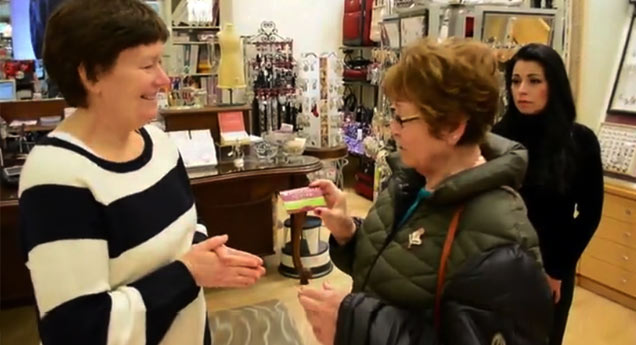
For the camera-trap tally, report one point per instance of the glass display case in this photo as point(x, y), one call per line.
point(507, 29)
point(623, 98)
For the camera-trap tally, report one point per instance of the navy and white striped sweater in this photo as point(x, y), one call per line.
point(102, 241)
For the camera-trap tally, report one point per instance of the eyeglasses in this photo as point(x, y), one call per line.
point(402, 120)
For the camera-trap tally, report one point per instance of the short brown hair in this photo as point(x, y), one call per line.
point(92, 33)
point(447, 81)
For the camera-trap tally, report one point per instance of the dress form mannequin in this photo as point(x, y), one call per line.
point(231, 66)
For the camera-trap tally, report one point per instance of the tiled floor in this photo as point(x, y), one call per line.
point(594, 320)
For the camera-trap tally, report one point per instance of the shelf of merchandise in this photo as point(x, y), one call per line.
point(193, 43)
point(178, 27)
point(359, 47)
point(32, 128)
point(359, 82)
point(207, 109)
point(204, 28)
point(193, 75)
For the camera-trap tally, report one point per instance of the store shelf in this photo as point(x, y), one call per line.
point(175, 111)
point(196, 28)
point(358, 82)
point(33, 128)
point(194, 75)
point(194, 43)
point(358, 48)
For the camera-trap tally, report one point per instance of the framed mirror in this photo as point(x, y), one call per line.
point(623, 99)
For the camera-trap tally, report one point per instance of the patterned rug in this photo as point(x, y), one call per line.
point(266, 323)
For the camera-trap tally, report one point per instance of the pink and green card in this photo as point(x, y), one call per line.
point(302, 199)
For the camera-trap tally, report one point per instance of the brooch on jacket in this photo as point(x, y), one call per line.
point(415, 238)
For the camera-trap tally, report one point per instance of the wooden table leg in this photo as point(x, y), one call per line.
point(297, 222)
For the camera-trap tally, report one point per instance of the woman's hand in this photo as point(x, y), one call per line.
point(321, 308)
point(335, 214)
point(555, 287)
point(212, 264)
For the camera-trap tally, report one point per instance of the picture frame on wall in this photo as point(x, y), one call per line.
point(157, 6)
point(623, 98)
point(412, 29)
point(391, 33)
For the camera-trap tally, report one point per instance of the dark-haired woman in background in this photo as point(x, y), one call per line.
point(564, 172)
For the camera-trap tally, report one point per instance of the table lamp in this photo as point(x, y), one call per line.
point(231, 66)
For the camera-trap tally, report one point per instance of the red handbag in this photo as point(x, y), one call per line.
point(364, 185)
point(355, 74)
point(355, 68)
point(356, 24)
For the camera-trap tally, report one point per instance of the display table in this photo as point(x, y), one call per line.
point(237, 202)
point(203, 118)
point(337, 152)
point(331, 156)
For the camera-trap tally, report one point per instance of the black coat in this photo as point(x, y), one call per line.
point(562, 236)
point(477, 308)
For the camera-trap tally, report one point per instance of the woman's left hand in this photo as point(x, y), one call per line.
point(321, 308)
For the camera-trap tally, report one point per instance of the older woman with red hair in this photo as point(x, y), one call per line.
point(446, 253)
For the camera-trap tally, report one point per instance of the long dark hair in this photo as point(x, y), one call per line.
point(550, 144)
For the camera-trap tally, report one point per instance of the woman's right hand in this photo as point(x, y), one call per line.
point(335, 214)
point(555, 287)
point(212, 264)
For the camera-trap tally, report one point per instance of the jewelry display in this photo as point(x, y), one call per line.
point(618, 148)
point(272, 75)
point(507, 29)
point(237, 155)
point(321, 89)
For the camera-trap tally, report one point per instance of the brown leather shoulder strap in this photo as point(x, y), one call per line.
point(441, 272)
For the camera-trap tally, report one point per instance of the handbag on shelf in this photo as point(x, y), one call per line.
point(356, 68)
point(356, 23)
point(379, 9)
point(467, 2)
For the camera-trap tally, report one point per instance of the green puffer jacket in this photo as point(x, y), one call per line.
point(494, 215)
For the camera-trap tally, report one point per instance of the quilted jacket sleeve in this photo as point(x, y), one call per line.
point(342, 256)
point(364, 320)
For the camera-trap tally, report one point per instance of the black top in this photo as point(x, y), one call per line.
point(563, 234)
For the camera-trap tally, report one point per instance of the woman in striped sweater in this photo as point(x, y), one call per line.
point(108, 221)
